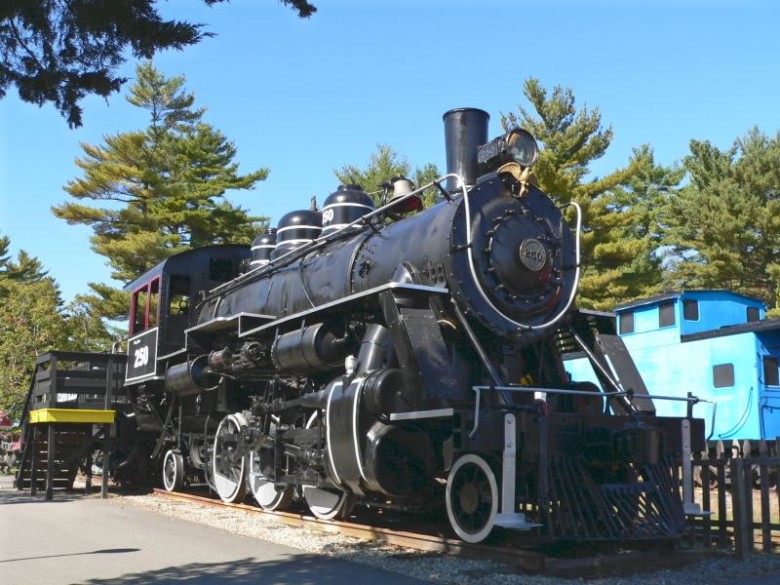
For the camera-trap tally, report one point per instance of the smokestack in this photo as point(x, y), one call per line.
point(464, 130)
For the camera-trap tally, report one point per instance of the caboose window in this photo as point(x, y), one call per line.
point(753, 314)
point(144, 306)
point(691, 310)
point(666, 315)
point(626, 323)
point(771, 374)
point(723, 375)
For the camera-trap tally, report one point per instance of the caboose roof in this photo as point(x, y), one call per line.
point(675, 295)
point(758, 327)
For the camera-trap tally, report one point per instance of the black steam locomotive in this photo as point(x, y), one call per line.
point(399, 356)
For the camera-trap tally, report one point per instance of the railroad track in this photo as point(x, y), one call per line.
point(523, 560)
point(529, 561)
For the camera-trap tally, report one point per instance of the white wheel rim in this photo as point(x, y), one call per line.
point(468, 533)
point(169, 462)
point(229, 487)
point(264, 491)
point(324, 504)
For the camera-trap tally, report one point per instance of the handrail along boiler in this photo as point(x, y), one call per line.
point(398, 357)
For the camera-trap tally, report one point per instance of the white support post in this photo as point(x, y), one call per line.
point(509, 463)
point(508, 517)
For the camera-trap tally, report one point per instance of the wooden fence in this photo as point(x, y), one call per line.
point(742, 497)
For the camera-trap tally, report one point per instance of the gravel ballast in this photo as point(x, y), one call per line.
point(442, 569)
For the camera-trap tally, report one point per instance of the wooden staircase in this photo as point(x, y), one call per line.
point(69, 412)
point(71, 442)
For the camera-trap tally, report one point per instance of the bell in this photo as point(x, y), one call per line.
point(401, 201)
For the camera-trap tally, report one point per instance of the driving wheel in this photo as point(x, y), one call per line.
point(229, 469)
point(261, 464)
point(326, 503)
point(472, 498)
point(173, 471)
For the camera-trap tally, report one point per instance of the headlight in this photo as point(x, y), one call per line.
point(517, 145)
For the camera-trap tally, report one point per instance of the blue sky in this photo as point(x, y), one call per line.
point(305, 97)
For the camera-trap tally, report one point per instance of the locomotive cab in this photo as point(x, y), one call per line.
point(163, 303)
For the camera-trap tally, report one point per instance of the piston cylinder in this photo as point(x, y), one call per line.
point(190, 378)
point(307, 351)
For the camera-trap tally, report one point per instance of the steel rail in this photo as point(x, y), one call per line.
point(627, 563)
point(530, 561)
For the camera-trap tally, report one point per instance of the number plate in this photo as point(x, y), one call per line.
point(142, 356)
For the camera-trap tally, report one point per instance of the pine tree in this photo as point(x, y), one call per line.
point(723, 228)
point(628, 252)
point(162, 189)
point(30, 324)
point(32, 321)
point(59, 51)
point(24, 268)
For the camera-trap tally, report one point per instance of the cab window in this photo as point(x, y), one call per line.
point(222, 269)
point(144, 306)
point(179, 295)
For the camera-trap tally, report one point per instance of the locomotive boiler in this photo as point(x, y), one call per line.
point(397, 356)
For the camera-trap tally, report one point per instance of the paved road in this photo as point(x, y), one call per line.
point(76, 539)
point(86, 540)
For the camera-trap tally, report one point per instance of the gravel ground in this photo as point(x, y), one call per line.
point(442, 569)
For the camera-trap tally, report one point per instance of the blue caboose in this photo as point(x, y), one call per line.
point(717, 345)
